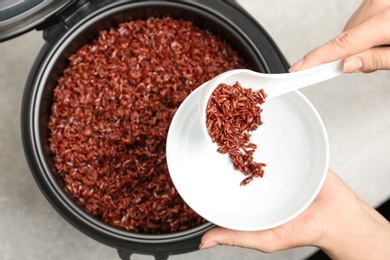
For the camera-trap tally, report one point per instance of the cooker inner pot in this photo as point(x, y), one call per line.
point(84, 33)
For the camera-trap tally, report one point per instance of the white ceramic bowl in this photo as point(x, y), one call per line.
point(292, 142)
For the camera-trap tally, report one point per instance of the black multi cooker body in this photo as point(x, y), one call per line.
point(68, 25)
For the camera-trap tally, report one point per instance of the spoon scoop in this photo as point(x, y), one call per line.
point(273, 84)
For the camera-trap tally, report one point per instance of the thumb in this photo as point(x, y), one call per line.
point(368, 61)
point(265, 241)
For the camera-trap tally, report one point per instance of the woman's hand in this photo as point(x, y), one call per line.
point(364, 44)
point(337, 221)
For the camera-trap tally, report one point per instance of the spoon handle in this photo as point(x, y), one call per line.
point(284, 83)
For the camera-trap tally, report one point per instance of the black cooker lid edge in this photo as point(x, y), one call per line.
point(20, 16)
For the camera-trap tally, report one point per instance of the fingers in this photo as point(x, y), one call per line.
point(371, 33)
point(267, 241)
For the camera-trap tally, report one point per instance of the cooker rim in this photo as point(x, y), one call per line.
point(33, 146)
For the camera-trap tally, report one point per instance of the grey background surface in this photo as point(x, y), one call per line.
point(355, 109)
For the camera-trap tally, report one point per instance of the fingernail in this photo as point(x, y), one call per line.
point(297, 65)
point(208, 245)
point(352, 65)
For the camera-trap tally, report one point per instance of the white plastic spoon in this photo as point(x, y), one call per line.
point(273, 84)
